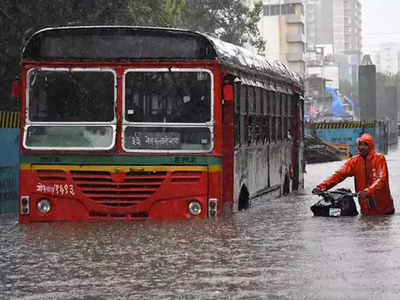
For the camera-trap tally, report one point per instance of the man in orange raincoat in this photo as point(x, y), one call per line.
point(371, 178)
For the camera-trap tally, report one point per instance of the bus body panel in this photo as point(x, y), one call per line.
point(96, 192)
point(228, 156)
point(121, 183)
point(268, 133)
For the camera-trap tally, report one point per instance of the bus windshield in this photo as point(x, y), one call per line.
point(168, 96)
point(174, 104)
point(70, 109)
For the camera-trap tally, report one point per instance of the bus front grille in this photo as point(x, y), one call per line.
point(186, 176)
point(118, 189)
point(51, 175)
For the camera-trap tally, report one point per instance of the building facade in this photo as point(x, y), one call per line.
point(336, 23)
point(282, 27)
point(386, 58)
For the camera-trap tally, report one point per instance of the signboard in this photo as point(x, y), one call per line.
point(154, 140)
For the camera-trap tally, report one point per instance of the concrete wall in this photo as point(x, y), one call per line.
point(9, 166)
point(349, 132)
point(367, 92)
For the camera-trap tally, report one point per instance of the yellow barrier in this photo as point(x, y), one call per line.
point(9, 119)
point(354, 124)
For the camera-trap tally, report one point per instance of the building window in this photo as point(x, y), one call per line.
point(288, 9)
point(279, 9)
point(275, 10)
point(266, 10)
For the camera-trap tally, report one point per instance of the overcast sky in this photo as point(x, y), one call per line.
point(381, 22)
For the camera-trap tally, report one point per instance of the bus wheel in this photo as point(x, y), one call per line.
point(244, 202)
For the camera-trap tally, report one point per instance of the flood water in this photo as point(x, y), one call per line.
point(275, 250)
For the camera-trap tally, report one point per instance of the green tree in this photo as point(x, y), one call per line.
point(172, 12)
point(229, 19)
point(18, 19)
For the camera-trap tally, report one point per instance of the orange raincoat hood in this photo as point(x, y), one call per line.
point(367, 138)
point(370, 175)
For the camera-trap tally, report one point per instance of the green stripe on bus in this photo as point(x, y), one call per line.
point(120, 160)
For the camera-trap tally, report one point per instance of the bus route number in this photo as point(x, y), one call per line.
point(156, 140)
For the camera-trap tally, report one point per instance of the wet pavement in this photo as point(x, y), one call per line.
point(276, 250)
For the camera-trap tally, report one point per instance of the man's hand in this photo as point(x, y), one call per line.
point(316, 190)
point(362, 194)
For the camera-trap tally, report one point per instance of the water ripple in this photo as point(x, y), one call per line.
point(276, 250)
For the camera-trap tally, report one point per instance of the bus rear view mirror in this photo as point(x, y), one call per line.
point(16, 88)
point(228, 92)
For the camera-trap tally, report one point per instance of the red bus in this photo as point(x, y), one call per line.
point(133, 123)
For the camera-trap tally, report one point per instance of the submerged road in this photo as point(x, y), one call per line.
point(276, 250)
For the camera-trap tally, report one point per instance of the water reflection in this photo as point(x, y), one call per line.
point(277, 250)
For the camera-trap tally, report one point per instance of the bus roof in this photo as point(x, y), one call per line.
point(129, 43)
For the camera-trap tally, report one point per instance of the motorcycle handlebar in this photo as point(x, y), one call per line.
point(326, 192)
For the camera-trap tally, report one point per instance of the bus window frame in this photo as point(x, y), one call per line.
point(210, 124)
point(28, 123)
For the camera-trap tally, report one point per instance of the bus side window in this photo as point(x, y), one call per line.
point(260, 134)
point(279, 116)
point(258, 109)
point(289, 115)
point(273, 115)
point(251, 138)
point(268, 116)
point(284, 117)
point(243, 115)
point(236, 122)
point(288, 102)
point(251, 100)
point(265, 127)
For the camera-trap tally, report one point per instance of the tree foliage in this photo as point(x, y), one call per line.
point(228, 19)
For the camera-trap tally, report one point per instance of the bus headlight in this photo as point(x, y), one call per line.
point(194, 208)
point(44, 205)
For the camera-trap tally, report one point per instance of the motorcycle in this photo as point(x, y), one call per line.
point(336, 203)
